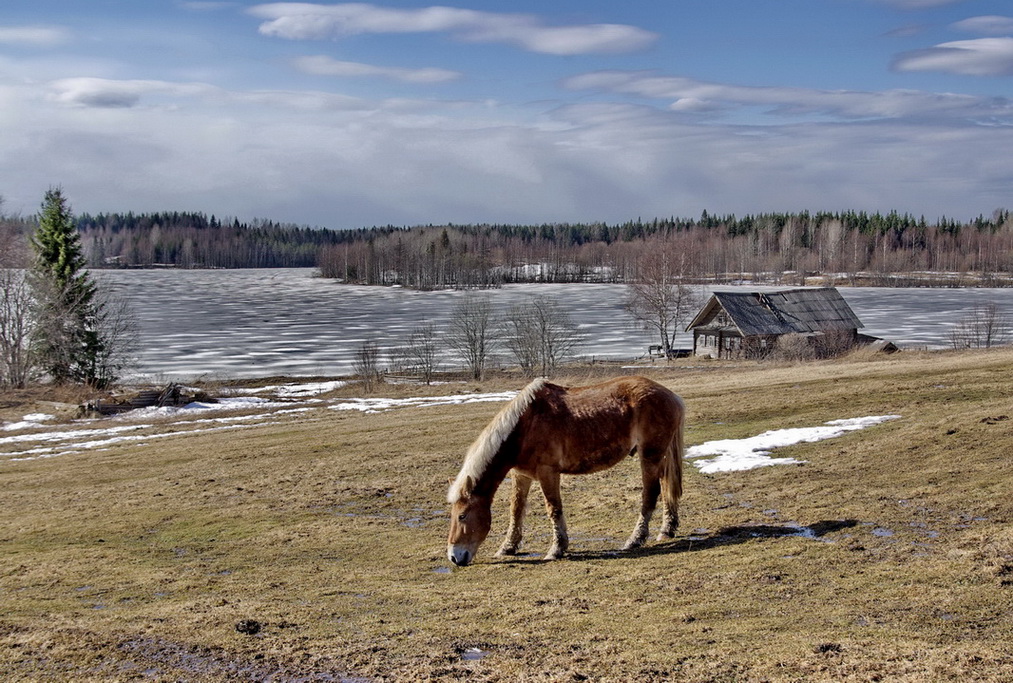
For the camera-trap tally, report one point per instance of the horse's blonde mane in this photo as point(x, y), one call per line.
point(488, 443)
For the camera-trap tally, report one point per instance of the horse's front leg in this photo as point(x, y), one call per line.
point(518, 506)
point(650, 474)
point(549, 482)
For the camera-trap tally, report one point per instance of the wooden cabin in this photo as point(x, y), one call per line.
point(748, 324)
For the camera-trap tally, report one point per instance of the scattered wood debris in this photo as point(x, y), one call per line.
point(172, 394)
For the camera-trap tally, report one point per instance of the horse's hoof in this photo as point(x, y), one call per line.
point(554, 553)
point(632, 545)
point(665, 536)
point(506, 552)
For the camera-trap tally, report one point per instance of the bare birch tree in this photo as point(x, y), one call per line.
point(659, 300)
point(471, 333)
point(420, 356)
point(16, 366)
point(15, 328)
point(366, 365)
point(983, 327)
point(541, 335)
point(520, 334)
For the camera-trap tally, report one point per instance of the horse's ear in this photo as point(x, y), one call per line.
point(467, 486)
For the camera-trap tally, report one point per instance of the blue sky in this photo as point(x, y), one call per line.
point(403, 112)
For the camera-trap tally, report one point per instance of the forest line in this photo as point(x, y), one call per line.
point(851, 246)
point(855, 247)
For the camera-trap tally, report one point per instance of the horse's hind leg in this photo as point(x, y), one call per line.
point(671, 489)
point(650, 473)
point(671, 482)
point(518, 506)
point(669, 524)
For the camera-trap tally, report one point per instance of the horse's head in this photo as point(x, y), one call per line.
point(470, 520)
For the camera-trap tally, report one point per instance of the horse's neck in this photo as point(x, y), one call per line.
point(497, 469)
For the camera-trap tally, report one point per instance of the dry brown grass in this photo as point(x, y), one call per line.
point(59, 401)
point(158, 561)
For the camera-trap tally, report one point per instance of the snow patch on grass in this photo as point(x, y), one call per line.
point(735, 455)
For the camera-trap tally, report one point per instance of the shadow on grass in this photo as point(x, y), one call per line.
point(730, 535)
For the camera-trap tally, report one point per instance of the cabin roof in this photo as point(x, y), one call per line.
point(784, 312)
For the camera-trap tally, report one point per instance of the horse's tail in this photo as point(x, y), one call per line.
point(671, 470)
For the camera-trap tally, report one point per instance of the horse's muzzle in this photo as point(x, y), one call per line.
point(460, 558)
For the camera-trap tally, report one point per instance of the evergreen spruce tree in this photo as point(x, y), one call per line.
point(68, 344)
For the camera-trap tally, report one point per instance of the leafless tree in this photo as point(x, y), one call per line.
point(983, 327)
point(116, 326)
point(366, 365)
point(16, 366)
point(13, 244)
point(520, 334)
point(659, 300)
point(419, 357)
point(540, 335)
point(471, 333)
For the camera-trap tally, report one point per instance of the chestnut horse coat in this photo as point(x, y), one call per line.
point(549, 430)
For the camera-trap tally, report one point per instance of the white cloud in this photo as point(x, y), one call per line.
point(307, 21)
point(41, 36)
point(991, 25)
point(105, 93)
point(690, 95)
point(919, 4)
point(207, 6)
point(980, 57)
point(115, 94)
point(322, 65)
point(296, 100)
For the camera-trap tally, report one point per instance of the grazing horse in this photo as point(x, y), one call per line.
point(548, 430)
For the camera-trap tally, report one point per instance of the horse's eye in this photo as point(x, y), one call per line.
point(461, 517)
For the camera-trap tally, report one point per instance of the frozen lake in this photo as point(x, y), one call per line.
point(252, 323)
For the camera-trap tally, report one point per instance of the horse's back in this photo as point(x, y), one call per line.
point(634, 391)
point(593, 427)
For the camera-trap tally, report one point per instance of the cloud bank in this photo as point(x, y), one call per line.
point(351, 161)
point(781, 103)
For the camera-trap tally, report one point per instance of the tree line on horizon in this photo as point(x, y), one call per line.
point(872, 248)
point(193, 240)
point(780, 247)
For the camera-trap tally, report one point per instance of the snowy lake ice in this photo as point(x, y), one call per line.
point(265, 322)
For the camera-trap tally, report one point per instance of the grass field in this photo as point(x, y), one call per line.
point(312, 546)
